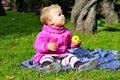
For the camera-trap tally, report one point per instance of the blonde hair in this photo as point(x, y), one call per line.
point(45, 12)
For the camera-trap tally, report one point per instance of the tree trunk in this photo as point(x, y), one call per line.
point(28, 6)
point(108, 11)
point(20, 5)
point(2, 11)
point(35, 6)
point(83, 16)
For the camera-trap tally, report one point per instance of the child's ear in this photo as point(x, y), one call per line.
point(50, 21)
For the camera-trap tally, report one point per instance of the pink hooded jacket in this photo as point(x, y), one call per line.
point(62, 37)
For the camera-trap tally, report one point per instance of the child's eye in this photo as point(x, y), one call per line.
point(59, 14)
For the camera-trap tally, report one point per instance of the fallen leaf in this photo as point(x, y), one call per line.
point(10, 77)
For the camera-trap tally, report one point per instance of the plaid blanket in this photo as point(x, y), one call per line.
point(107, 59)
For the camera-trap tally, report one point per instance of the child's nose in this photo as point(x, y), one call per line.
point(62, 15)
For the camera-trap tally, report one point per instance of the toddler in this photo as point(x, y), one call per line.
point(53, 41)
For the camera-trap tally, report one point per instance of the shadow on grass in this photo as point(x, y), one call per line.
point(112, 29)
point(115, 27)
point(109, 29)
point(19, 24)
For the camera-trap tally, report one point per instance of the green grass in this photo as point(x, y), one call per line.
point(18, 32)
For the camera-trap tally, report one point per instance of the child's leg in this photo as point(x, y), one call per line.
point(70, 60)
point(118, 54)
point(46, 60)
point(88, 65)
point(49, 64)
point(75, 63)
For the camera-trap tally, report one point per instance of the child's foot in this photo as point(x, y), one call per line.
point(54, 67)
point(45, 63)
point(118, 54)
point(89, 65)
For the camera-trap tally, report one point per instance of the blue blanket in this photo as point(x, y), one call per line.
point(107, 59)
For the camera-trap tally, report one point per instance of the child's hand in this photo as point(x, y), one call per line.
point(76, 40)
point(52, 46)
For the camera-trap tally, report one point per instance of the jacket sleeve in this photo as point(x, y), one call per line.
point(41, 42)
point(70, 44)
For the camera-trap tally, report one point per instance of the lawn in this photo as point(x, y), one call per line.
point(18, 32)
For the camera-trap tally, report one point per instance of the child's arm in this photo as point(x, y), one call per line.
point(52, 46)
point(41, 42)
point(43, 45)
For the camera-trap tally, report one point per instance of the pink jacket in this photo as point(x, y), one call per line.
point(62, 37)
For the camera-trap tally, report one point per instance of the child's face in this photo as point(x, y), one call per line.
point(57, 18)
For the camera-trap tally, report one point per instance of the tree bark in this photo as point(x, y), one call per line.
point(2, 11)
point(20, 5)
point(83, 16)
point(108, 11)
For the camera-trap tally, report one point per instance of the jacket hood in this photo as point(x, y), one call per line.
point(54, 30)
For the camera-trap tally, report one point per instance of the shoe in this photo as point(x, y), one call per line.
point(89, 65)
point(54, 67)
point(118, 55)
